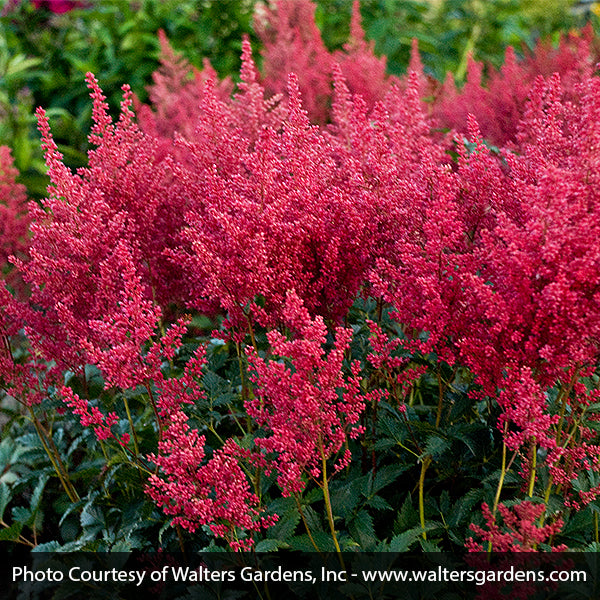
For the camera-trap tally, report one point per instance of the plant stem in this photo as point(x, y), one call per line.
point(54, 457)
point(424, 466)
point(305, 522)
point(133, 431)
point(155, 409)
point(532, 470)
point(438, 416)
point(503, 471)
point(136, 447)
point(325, 488)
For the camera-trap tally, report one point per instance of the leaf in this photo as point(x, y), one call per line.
point(303, 543)
point(379, 503)
point(12, 533)
point(362, 529)
point(346, 496)
point(5, 497)
point(269, 545)
point(37, 493)
point(21, 514)
point(403, 541)
point(436, 447)
point(313, 520)
point(286, 524)
point(92, 520)
point(385, 476)
point(407, 518)
point(7, 448)
point(52, 546)
point(463, 508)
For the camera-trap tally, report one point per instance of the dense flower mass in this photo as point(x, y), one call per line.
point(14, 218)
point(309, 411)
point(391, 270)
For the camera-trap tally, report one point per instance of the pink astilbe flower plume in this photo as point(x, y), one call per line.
point(272, 213)
point(364, 72)
point(498, 101)
point(292, 44)
point(96, 255)
point(519, 531)
point(176, 94)
point(310, 408)
point(14, 220)
point(192, 488)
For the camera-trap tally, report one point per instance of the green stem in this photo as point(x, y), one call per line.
point(54, 457)
point(424, 466)
point(305, 522)
point(133, 431)
point(532, 471)
point(136, 446)
point(503, 470)
point(438, 416)
point(325, 488)
point(159, 423)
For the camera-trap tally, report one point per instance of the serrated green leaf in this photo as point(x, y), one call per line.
point(52, 546)
point(385, 476)
point(362, 530)
point(378, 503)
point(269, 545)
point(463, 508)
point(37, 493)
point(22, 515)
point(346, 496)
point(7, 449)
point(286, 525)
point(407, 518)
point(428, 546)
point(312, 518)
point(5, 497)
point(12, 533)
point(92, 520)
point(403, 541)
point(304, 544)
point(436, 447)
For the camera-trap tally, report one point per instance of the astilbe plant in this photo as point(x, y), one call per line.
point(95, 271)
point(364, 72)
point(309, 410)
point(14, 219)
point(497, 99)
point(520, 530)
point(507, 540)
point(273, 213)
point(538, 284)
point(176, 94)
point(193, 488)
point(292, 44)
point(95, 263)
point(417, 239)
point(241, 207)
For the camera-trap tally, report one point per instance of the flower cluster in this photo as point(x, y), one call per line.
point(498, 103)
point(196, 490)
point(14, 219)
point(309, 409)
point(520, 532)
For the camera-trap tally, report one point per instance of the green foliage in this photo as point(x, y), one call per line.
point(44, 58)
